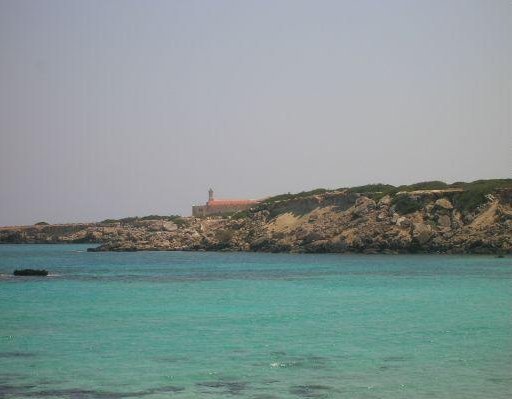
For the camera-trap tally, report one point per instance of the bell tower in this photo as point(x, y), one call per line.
point(210, 195)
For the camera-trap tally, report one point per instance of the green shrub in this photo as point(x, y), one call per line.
point(405, 204)
point(372, 188)
point(158, 217)
point(374, 191)
point(470, 200)
point(179, 221)
point(475, 193)
point(240, 215)
point(109, 221)
point(426, 185)
point(129, 220)
point(288, 197)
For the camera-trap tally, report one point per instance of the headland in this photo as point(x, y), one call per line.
point(429, 217)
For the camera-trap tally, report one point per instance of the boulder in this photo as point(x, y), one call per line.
point(444, 204)
point(363, 205)
point(422, 232)
point(385, 201)
point(403, 222)
point(313, 236)
point(457, 221)
point(382, 216)
point(169, 226)
point(444, 221)
point(395, 218)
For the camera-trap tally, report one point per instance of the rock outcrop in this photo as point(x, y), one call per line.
point(427, 221)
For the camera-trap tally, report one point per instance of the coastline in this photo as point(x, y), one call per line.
point(332, 222)
point(374, 219)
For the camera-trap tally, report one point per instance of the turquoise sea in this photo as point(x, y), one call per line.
point(244, 325)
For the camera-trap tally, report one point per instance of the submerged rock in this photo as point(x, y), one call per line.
point(31, 272)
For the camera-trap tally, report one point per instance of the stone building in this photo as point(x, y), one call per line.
point(221, 206)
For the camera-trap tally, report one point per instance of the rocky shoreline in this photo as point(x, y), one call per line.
point(342, 221)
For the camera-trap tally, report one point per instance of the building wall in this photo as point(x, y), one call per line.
point(199, 210)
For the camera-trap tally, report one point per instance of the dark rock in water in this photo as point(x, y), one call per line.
point(31, 272)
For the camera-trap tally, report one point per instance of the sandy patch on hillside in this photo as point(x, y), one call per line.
point(486, 218)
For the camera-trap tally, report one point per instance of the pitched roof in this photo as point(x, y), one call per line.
point(231, 202)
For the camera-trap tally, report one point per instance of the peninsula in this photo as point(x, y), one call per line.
point(429, 217)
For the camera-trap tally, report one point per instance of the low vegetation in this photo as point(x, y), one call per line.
point(405, 204)
point(475, 194)
point(176, 219)
point(241, 214)
point(289, 196)
point(375, 191)
point(426, 185)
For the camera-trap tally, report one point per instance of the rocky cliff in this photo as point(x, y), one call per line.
point(446, 220)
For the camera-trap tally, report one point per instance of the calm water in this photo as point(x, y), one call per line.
point(211, 325)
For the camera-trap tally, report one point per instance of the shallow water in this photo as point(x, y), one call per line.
point(216, 325)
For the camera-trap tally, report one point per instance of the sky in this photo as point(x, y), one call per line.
point(121, 108)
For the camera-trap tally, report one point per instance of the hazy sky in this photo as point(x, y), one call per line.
point(123, 108)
